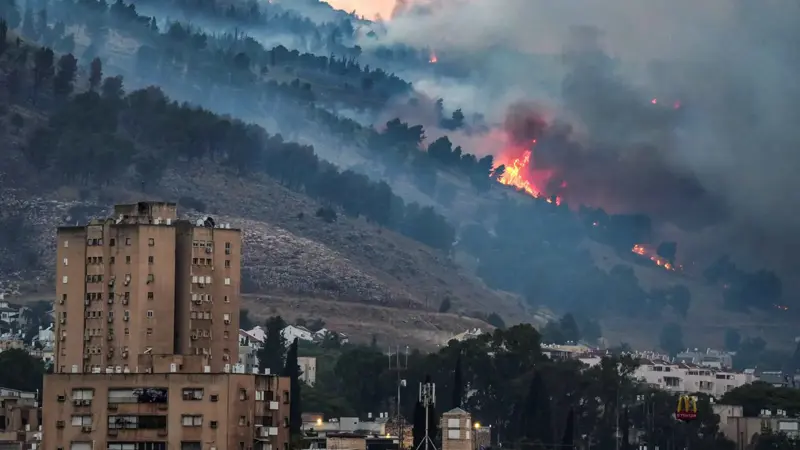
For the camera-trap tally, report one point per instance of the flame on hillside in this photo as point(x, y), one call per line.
point(521, 174)
point(658, 260)
point(433, 59)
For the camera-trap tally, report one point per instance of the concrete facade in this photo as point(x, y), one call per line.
point(147, 342)
point(146, 282)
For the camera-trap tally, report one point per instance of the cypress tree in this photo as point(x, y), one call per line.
point(569, 431)
point(292, 370)
point(419, 424)
point(458, 385)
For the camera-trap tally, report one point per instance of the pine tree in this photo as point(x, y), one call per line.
point(535, 420)
point(64, 79)
point(292, 370)
point(458, 385)
point(3, 36)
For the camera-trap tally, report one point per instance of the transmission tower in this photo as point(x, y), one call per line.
point(399, 365)
point(427, 396)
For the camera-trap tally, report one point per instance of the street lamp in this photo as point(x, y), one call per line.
point(476, 426)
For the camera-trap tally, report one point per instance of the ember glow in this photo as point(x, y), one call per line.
point(659, 261)
point(433, 59)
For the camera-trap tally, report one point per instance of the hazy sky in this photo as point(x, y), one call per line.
point(366, 8)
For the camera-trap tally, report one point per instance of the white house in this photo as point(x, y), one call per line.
point(325, 333)
point(8, 314)
point(292, 332)
point(690, 378)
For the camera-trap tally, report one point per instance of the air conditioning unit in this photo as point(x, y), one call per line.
point(63, 321)
point(124, 301)
point(111, 319)
point(110, 337)
point(208, 250)
point(110, 300)
point(198, 302)
point(86, 428)
point(86, 302)
point(126, 318)
point(194, 337)
point(227, 322)
point(125, 355)
point(63, 338)
point(201, 284)
point(77, 403)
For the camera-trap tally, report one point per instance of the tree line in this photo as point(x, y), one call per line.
point(96, 136)
point(505, 381)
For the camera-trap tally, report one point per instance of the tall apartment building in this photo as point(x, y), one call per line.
point(144, 282)
point(147, 320)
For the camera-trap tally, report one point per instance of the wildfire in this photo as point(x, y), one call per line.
point(433, 59)
point(659, 261)
point(520, 175)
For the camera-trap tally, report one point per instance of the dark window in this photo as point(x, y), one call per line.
point(113, 242)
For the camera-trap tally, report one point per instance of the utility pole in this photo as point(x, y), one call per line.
point(427, 396)
point(399, 366)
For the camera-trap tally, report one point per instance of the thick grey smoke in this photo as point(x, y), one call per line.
point(731, 64)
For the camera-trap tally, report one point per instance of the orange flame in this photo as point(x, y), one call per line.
point(519, 174)
point(433, 59)
point(659, 261)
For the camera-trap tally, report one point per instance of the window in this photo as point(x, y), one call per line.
point(225, 334)
point(150, 260)
point(242, 394)
point(214, 397)
point(151, 242)
point(126, 315)
point(227, 299)
point(151, 278)
point(227, 281)
point(194, 278)
point(82, 394)
point(128, 259)
point(111, 260)
point(112, 242)
point(194, 261)
point(208, 280)
point(191, 445)
point(149, 331)
point(127, 331)
point(127, 295)
point(242, 421)
point(226, 317)
point(192, 421)
point(82, 421)
point(149, 295)
point(66, 244)
point(227, 248)
point(127, 241)
point(149, 313)
point(64, 279)
point(227, 263)
point(66, 262)
point(193, 393)
point(286, 397)
point(63, 298)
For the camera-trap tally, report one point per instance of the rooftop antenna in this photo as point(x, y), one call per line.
point(427, 396)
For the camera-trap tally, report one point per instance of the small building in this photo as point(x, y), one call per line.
point(457, 430)
point(741, 429)
point(292, 332)
point(308, 369)
point(20, 419)
point(711, 358)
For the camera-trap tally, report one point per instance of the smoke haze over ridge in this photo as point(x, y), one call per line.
point(730, 64)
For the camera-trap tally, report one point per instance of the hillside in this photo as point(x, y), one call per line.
point(379, 250)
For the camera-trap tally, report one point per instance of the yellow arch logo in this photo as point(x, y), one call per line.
point(687, 408)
